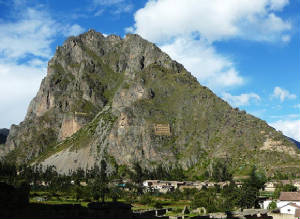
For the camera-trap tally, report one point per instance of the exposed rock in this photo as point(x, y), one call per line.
point(271, 145)
point(124, 100)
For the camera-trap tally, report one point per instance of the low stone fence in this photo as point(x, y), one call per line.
point(156, 213)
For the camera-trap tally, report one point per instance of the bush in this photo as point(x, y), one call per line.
point(272, 205)
point(145, 200)
point(156, 204)
point(129, 197)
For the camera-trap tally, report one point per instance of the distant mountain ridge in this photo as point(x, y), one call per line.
point(297, 143)
point(3, 135)
point(126, 101)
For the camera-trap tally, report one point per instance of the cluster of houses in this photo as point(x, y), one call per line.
point(288, 205)
point(271, 185)
point(169, 186)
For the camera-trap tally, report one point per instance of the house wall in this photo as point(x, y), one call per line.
point(281, 216)
point(270, 189)
point(288, 210)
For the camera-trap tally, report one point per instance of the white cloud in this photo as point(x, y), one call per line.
point(18, 85)
point(200, 58)
point(278, 4)
point(290, 128)
point(35, 62)
point(99, 12)
point(123, 9)
point(25, 45)
point(73, 30)
point(129, 30)
point(212, 19)
point(32, 34)
point(241, 100)
point(286, 38)
point(187, 31)
point(116, 7)
point(282, 94)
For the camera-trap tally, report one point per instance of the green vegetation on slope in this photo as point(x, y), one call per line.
point(82, 138)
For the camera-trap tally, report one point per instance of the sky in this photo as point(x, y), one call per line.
point(246, 51)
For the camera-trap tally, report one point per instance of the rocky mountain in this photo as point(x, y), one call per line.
point(297, 143)
point(124, 100)
point(3, 135)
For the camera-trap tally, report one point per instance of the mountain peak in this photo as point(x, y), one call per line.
point(124, 100)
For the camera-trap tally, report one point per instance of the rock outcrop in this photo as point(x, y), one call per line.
point(124, 100)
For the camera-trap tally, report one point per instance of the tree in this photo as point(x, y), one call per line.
point(115, 193)
point(96, 190)
point(283, 188)
point(220, 171)
point(272, 205)
point(250, 189)
point(137, 175)
point(100, 187)
point(78, 192)
point(247, 196)
point(230, 195)
point(23, 193)
point(206, 199)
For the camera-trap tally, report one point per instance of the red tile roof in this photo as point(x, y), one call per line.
point(289, 196)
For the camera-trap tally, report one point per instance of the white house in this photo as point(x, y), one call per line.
point(148, 183)
point(289, 209)
point(270, 186)
point(287, 198)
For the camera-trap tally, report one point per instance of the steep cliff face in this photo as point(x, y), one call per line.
point(124, 100)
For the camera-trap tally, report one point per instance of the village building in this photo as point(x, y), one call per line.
point(223, 184)
point(83, 183)
point(288, 198)
point(295, 182)
point(41, 183)
point(161, 185)
point(168, 186)
point(190, 185)
point(289, 209)
point(270, 186)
